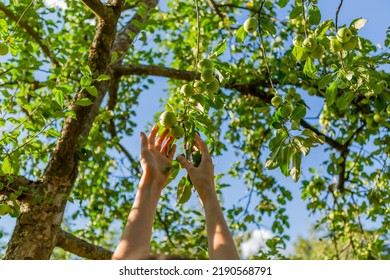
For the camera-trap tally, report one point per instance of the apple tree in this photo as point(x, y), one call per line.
point(267, 81)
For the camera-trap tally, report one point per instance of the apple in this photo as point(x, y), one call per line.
point(3, 49)
point(187, 90)
point(213, 86)
point(286, 110)
point(351, 44)
point(383, 84)
point(205, 63)
point(312, 91)
point(292, 78)
point(199, 87)
point(318, 52)
point(344, 34)
point(335, 45)
point(276, 101)
point(168, 119)
point(388, 109)
point(4, 209)
point(207, 75)
point(250, 25)
point(309, 44)
point(377, 117)
point(304, 56)
point(177, 131)
point(298, 40)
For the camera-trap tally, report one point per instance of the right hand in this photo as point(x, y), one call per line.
point(202, 177)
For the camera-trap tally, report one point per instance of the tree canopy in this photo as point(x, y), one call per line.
point(268, 81)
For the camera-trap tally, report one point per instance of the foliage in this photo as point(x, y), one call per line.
point(51, 75)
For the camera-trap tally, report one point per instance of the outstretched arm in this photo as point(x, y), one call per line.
point(220, 241)
point(155, 161)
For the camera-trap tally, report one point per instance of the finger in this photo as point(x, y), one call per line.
point(185, 163)
point(144, 142)
point(152, 135)
point(172, 152)
point(160, 140)
point(164, 149)
point(201, 145)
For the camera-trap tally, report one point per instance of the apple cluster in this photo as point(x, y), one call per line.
point(168, 120)
point(3, 49)
point(207, 83)
point(311, 47)
point(344, 41)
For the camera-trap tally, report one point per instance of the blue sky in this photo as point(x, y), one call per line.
point(375, 11)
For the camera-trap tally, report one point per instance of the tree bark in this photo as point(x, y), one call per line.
point(38, 226)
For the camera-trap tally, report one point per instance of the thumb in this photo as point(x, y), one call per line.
point(185, 163)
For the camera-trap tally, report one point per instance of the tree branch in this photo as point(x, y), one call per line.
point(10, 184)
point(152, 70)
point(214, 6)
point(97, 8)
point(31, 32)
point(82, 248)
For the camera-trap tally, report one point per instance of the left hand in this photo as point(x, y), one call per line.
point(156, 158)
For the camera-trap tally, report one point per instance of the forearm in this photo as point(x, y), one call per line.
point(135, 242)
point(220, 241)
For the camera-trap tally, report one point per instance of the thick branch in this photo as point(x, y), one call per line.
point(11, 183)
point(214, 6)
point(97, 8)
point(82, 248)
point(152, 70)
point(31, 32)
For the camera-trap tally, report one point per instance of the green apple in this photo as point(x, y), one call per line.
point(205, 63)
point(286, 110)
point(377, 117)
point(344, 34)
point(168, 119)
point(383, 84)
point(187, 90)
point(3, 49)
point(292, 78)
point(309, 44)
point(207, 75)
point(335, 45)
point(351, 44)
point(388, 110)
point(4, 209)
point(250, 25)
point(199, 87)
point(177, 131)
point(276, 101)
point(298, 40)
point(312, 91)
point(318, 52)
point(213, 86)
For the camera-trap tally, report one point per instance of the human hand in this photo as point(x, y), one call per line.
point(156, 158)
point(202, 177)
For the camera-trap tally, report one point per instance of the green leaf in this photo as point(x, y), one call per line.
point(92, 90)
point(298, 113)
point(6, 166)
point(59, 96)
point(173, 171)
point(310, 69)
point(314, 15)
point(218, 49)
point(322, 28)
point(345, 100)
point(83, 102)
point(268, 26)
point(331, 93)
point(283, 3)
point(296, 11)
point(324, 81)
point(184, 190)
point(358, 23)
point(85, 82)
point(296, 166)
point(298, 53)
point(54, 133)
point(85, 70)
point(315, 138)
point(241, 34)
point(103, 77)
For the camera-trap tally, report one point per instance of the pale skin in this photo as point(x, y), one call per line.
point(156, 157)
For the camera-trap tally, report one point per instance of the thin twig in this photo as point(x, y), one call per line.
point(337, 13)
